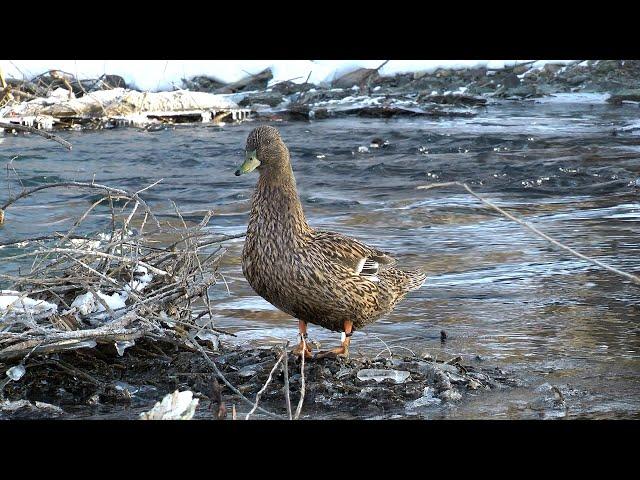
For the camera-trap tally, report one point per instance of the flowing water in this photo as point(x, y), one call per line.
point(504, 297)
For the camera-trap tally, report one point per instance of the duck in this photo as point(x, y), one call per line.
point(316, 276)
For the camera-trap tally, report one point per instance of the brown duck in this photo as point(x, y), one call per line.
point(316, 276)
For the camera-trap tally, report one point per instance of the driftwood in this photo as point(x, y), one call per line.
point(177, 275)
point(122, 329)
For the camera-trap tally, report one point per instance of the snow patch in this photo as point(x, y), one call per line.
point(87, 303)
point(18, 303)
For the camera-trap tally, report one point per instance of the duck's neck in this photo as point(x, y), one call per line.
point(276, 206)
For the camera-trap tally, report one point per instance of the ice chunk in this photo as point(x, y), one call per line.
point(426, 400)
point(398, 376)
point(211, 337)
point(123, 345)
point(16, 373)
point(174, 406)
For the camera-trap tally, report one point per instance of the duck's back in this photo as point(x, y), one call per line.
point(325, 278)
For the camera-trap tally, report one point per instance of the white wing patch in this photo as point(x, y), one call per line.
point(368, 269)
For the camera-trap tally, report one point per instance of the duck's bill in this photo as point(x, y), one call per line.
point(251, 162)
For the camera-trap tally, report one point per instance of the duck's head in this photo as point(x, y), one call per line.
point(264, 150)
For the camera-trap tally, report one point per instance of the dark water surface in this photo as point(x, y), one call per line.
point(499, 292)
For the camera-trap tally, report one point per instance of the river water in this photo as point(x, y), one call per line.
point(504, 297)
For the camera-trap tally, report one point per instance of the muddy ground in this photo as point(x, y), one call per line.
point(98, 383)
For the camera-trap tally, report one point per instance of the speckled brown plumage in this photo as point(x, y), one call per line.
point(320, 277)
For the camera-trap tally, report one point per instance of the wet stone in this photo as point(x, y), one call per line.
point(451, 395)
point(248, 371)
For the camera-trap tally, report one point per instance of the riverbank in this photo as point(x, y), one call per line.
point(59, 100)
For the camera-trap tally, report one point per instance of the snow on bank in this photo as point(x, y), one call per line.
point(12, 302)
point(87, 303)
point(120, 101)
point(155, 75)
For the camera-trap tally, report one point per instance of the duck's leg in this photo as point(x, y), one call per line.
point(303, 346)
point(342, 350)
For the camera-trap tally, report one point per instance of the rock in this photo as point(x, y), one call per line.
point(435, 375)
point(378, 143)
point(457, 379)
point(552, 68)
point(25, 409)
point(259, 81)
point(451, 395)
point(606, 66)
point(445, 367)
point(393, 111)
point(264, 98)
point(343, 372)
point(248, 371)
point(474, 385)
point(356, 78)
point(287, 87)
point(300, 112)
point(627, 95)
point(510, 80)
point(520, 69)
point(523, 91)
point(320, 113)
point(454, 99)
point(202, 83)
point(397, 376)
point(112, 81)
point(577, 79)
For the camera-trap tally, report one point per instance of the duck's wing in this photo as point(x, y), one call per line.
point(360, 258)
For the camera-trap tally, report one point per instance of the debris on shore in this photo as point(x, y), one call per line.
point(58, 100)
point(120, 107)
point(158, 379)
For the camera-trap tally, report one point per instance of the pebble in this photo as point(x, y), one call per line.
point(248, 371)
